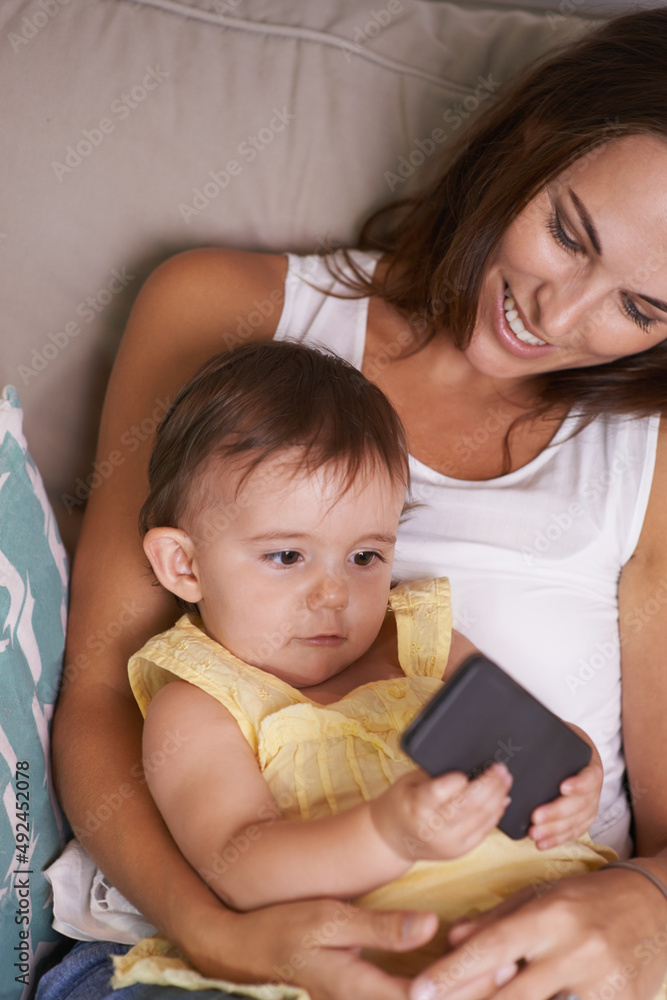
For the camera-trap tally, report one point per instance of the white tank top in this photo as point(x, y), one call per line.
point(533, 557)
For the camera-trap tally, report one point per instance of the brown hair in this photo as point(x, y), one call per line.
point(259, 399)
point(612, 83)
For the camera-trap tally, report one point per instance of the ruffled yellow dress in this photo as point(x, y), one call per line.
point(319, 760)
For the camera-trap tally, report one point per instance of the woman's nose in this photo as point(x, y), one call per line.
point(328, 592)
point(570, 309)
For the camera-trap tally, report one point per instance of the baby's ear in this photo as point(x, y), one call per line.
point(171, 552)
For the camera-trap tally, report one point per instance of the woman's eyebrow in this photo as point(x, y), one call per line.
point(586, 222)
point(654, 302)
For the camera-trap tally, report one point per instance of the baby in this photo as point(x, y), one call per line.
point(277, 483)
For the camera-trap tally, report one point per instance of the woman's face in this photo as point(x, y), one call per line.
point(580, 277)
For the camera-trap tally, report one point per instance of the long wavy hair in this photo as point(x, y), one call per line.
point(610, 84)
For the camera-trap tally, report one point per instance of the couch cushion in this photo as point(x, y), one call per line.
point(33, 595)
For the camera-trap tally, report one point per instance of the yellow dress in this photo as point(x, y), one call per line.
point(321, 759)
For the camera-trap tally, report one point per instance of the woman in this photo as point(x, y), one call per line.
point(525, 294)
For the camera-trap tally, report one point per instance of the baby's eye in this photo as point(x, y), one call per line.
point(287, 557)
point(366, 558)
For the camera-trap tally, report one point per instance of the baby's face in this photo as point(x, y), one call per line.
point(295, 577)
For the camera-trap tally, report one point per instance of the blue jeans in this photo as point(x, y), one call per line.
point(85, 974)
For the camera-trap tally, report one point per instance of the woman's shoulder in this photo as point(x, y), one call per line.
point(215, 264)
point(211, 290)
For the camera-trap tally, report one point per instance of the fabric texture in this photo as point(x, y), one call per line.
point(319, 760)
point(85, 974)
point(553, 534)
point(33, 606)
point(86, 906)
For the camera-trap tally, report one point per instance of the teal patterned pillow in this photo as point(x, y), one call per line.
point(33, 608)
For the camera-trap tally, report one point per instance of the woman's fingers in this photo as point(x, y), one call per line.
point(567, 941)
point(390, 930)
point(342, 925)
point(317, 945)
point(487, 956)
point(358, 979)
point(464, 929)
point(337, 971)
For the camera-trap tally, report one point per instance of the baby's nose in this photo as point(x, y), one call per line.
point(329, 592)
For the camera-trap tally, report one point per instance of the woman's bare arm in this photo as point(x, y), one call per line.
point(192, 307)
point(643, 623)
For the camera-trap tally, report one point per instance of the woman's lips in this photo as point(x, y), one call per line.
point(509, 340)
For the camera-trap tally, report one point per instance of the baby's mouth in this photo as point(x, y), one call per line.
point(515, 322)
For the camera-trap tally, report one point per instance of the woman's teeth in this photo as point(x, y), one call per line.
point(515, 323)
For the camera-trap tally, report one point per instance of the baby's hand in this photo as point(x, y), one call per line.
point(422, 818)
point(571, 815)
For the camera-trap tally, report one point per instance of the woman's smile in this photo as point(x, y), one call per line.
point(512, 332)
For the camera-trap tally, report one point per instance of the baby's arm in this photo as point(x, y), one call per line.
point(570, 815)
point(209, 788)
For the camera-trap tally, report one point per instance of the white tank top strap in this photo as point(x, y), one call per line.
point(313, 316)
point(636, 447)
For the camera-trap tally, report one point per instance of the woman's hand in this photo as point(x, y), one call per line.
point(422, 818)
point(573, 813)
point(314, 944)
point(532, 948)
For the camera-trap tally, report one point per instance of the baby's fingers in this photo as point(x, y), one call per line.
point(561, 824)
point(480, 808)
point(446, 788)
point(558, 833)
point(473, 798)
point(588, 781)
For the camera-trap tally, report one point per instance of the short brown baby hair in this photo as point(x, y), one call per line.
point(259, 399)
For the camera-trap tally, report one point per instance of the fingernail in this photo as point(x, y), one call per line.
point(504, 974)
point(423, 989)
point(459, 931)
point(415, 924)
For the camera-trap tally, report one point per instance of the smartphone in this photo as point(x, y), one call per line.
point(482, 715)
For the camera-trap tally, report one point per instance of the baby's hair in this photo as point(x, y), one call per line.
point(259, 399)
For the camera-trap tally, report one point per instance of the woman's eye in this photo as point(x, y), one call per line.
point(286, 558)
point(631, 310)
point(555, 227)
point(366, 558)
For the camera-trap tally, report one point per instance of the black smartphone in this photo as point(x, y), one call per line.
point(482, 715)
